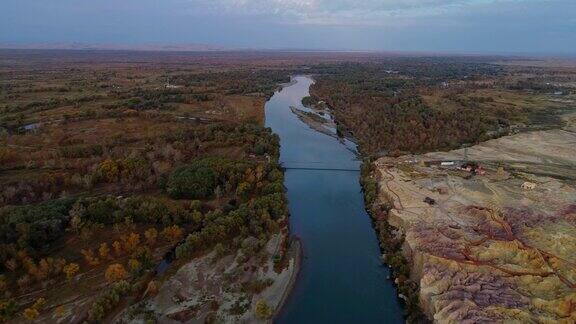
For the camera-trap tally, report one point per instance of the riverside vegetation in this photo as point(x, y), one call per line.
point(110, 164)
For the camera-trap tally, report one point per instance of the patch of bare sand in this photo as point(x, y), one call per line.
point(226, 288)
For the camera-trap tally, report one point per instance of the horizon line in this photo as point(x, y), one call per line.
point(197, 47)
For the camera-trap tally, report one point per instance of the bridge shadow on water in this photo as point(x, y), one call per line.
point(320, 166)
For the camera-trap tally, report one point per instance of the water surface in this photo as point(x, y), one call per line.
point(342, 279)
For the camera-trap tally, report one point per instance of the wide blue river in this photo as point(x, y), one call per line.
point(342, 279)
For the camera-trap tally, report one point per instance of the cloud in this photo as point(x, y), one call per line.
point(437, 25)
point(343, 12)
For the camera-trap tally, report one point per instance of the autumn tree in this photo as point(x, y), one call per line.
point(45, 267)
point(151, 234)
point(31, 313)
point(89, 257)
point(117, 248)
point(109, 170)
point(134, 266)
point(39, 303)
point(262, 310)
point(152, 288)
point(70, 270)
point(131, 241)
point(49, 267)
point(30, 266)
point(59, 311)
point(172, 233)
point(104, 251)
point(115, 272)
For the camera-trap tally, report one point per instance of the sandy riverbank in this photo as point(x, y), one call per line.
point(225, 288)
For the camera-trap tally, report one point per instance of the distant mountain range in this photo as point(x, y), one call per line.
point(114, 47)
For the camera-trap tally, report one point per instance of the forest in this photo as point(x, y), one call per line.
point(107, 170)
point(394, 106)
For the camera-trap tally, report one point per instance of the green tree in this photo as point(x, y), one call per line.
point(192, 183)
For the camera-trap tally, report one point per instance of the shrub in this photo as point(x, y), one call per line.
point(8, 308)
point(262, 310)
point(108, 301)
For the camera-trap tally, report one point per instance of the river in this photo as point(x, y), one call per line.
point(342, 279)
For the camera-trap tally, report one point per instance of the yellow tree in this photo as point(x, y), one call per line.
point(250, 176)
point(70, 270)
point(104, 251)
point(262, 310)
point(109, 170)
point(131, 242)
point(30, 266)
point(31, 313)
point(134, 265)
point(115, 272)
point(39, 303)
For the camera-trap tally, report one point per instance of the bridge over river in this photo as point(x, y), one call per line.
point(319, 166)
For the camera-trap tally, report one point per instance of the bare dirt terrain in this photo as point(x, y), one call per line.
point(222, 288)
point(495, 241)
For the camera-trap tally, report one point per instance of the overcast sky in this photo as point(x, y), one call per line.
point(529, 26)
